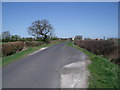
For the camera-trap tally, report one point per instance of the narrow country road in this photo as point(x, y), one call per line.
point(42, 69)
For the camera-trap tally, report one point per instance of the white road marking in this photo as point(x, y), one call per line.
point(38, 51)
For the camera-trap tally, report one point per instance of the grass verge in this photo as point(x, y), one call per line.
point(8, 59)
point(103, 73)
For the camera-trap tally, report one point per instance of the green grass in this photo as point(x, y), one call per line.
point(8, 59)
point(103, 73)
point(2, 43)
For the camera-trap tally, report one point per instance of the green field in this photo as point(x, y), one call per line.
point(103, 73)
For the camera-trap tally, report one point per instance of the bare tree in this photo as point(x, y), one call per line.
point(40, 28)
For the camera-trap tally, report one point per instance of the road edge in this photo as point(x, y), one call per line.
point(78, 76)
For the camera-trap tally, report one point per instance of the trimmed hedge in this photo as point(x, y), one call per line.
point(11, 48)
point(14, 47)
point(33, 43)
point(106, 48)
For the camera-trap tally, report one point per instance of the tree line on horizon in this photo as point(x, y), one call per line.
point(41, 30)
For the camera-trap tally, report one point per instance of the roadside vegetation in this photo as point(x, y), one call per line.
point(103, 73)
point(8, 59)
point(106, 48)
point(14, 47)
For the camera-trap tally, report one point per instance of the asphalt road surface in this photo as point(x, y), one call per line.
point(40, 70)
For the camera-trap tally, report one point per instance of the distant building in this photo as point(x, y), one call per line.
point(98, 39)
point(73, 39)
point(78, 37)
point(62, 38)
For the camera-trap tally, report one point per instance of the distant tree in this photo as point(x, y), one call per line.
point(40, 28)
point(23, 39)
point(104, 38)
point(87, 38)
point(54, 38)
point(15, 38)
point(6, 36)
point(30, 39)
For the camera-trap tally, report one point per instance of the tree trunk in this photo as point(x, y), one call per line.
point(45, 38)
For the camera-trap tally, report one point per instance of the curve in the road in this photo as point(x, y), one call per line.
point(41, 70)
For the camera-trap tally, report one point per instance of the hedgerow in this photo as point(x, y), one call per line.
point(11, 48)
point(33, 43)
point(105, 48)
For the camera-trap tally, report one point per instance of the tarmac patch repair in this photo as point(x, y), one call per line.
point(75, 75)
